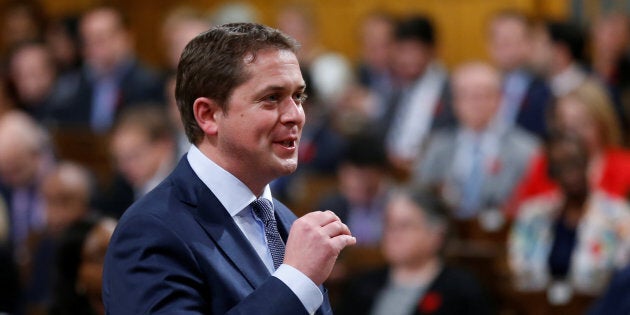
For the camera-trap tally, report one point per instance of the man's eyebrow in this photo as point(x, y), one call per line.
point(280, 88)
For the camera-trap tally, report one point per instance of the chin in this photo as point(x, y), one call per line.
point(288, 166)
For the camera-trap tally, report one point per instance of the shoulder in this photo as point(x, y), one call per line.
point(456, 277)
point(442, 138)
point(521, 140)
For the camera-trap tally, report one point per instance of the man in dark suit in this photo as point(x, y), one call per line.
point(525, 96)
point(111, 78)
point(210, 239)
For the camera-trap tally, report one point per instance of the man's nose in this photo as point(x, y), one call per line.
point(292, 113)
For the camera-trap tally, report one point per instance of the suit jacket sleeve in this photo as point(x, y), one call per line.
point(151, 269)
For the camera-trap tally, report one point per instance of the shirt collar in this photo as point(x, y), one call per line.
point(230, 191)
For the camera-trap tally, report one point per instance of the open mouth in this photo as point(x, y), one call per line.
point(290, 144)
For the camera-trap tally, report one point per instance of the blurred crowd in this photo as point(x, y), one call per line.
point(493, 186)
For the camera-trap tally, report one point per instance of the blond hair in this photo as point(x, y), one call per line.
point(599, 106)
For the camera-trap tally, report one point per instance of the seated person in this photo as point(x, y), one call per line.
point(477, 164)
point(416, 280)
point(144, 153)
point(363, 187)
point(587, 112)
point(616, 298)
point(79, 267)
point(571, 238)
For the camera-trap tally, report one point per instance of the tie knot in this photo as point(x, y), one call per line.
point(263, 209)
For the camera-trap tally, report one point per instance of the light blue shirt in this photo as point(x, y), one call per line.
point(236, 198)
point(515, 88)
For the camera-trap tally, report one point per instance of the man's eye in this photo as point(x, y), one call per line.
point(272, 98)
point(300, 97)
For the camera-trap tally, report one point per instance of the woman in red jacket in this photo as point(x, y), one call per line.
point(588, 112)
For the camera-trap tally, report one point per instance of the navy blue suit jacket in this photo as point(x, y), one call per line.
point(532, 113)
point(178, 251)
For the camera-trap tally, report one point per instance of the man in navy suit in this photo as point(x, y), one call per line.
point(197, 243)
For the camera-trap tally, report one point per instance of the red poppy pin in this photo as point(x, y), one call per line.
point(430, 303)
point(495, 166)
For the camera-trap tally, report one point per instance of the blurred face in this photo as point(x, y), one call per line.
point(62, 46)
point(178, 37)
point(568, 166)
point(295, 24)
point(610, 36)
point(572, 116)
point(541, 57)
point(136, 156)
point(105, 41)
point(476, 97)
point(509, 43)
point(90, 275)
point(360, 184)
point(376, 38)
point(19, 25)
point(18, 165)
point(66, 200)
point(410, 59)
point(408, 238)
point(257, 138)
point(32, 73)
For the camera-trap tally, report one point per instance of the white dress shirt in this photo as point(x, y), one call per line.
point(236, 198)
point(413, 119)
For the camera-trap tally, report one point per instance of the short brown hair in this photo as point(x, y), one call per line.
point(212, 65)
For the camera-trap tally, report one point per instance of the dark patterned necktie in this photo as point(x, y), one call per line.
point(263, 209)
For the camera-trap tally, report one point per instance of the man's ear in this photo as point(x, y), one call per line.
point(206, 112)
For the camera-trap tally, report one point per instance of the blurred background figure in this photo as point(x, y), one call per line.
point(419, 104)
point(374, 68)
point(25, 159)
point(62, 38)
point(525, 96)
point(182, 142)
point(7, 100)
point(610, 36)
point(90, 273)
point(364, 102)
point(234, 12)
point(22, 21)
point(416, 279)
point(364, 183)
point(79, 267)
point(9, 275)
point(616, 298)
point(67, 192)
point(476, 165)
point(573, 238)
point(328, 73)
point(558, 55)
point(111, 78)
point(588, 113)
point(180, 26)
point(32, 75)
point(143, 150)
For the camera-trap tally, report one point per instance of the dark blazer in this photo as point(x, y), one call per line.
point(453, 291)
point(178, 251)
point(72, 102)
point(532, 113)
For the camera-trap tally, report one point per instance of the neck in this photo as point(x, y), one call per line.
point(253, 182)
point(574, 209)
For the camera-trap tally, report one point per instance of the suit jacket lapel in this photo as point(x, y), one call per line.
point(219, 225)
